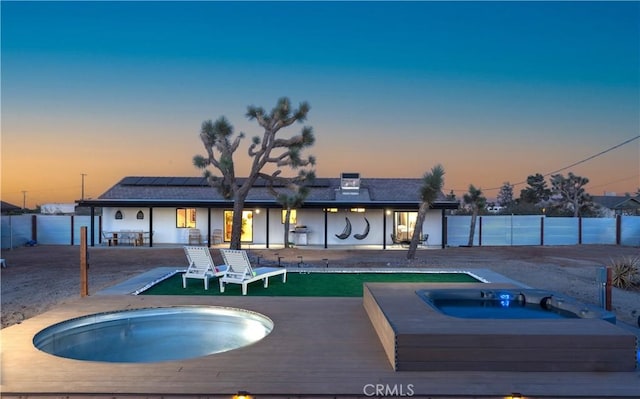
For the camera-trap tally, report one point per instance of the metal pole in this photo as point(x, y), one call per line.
point(601, 279)
point(608, 288)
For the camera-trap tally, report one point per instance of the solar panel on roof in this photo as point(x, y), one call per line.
point(161, 181)
point(323, 182)
point(130, 180)
point(146, 181)
point(177, 181)
point(196, 181)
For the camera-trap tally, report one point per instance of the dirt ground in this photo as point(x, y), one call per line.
point(40, 278)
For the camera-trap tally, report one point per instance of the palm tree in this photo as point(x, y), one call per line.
point(477, 201)
point(432, 183)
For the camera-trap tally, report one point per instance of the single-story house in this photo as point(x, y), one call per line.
point(344, 211)
point(8, 208)
point(619, 205)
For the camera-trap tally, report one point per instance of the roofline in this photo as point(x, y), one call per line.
point(155, 203)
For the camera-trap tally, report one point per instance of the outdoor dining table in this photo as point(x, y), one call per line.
point(129, 237)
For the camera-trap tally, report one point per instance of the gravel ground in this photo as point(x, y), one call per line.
point(40, 278)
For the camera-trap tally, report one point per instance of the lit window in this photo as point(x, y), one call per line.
point(293, 218)
point(404, 224)
point(186, 218)
point(246, 234)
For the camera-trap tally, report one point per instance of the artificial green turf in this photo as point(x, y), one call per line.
point(304, 284)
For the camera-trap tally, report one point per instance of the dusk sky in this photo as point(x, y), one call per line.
point(493, 91)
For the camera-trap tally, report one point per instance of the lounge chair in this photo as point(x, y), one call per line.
point(241, 272)
point(201, 266)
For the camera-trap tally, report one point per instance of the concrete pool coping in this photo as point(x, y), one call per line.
point(320, 347)
point(141, 282)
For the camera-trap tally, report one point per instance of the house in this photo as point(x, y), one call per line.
point(344, 211)
point(619, 205)
point(8, 209)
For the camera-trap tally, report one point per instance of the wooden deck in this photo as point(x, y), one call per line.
point(417, 337)
point(320, 347)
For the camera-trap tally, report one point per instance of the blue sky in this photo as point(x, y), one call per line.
point(495, 91)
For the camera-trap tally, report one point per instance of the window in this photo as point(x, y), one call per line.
point(403, 225)
point(119, 215)
point(186, 218)
point(293, 217)
point(246, 234)
point(140, 215)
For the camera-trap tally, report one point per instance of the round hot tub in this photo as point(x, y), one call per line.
point(154, 334)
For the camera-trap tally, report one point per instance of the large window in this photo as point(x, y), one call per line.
point(186, 218)
point(247, 226)
point(293, 217)
point(403, 225)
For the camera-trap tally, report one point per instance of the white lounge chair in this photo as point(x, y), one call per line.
point(201, 266)
point(240, 271)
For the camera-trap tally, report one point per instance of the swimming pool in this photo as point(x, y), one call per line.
point(154, 334)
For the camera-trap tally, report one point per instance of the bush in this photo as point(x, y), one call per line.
point(625, 271)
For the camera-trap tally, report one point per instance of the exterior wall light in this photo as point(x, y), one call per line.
point(242, 395)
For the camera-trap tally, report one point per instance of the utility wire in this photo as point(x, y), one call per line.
point(573, 164)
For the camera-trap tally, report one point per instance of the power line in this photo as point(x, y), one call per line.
point(594, 156)
point(617, 181)
point(573, 164)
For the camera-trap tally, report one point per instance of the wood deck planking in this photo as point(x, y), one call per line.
point(320, 346)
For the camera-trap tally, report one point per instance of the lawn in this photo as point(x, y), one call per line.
point(305, 284)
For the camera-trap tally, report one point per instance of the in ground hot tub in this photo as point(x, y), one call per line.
point(154, 334)
point(494, 327)
point(510, 304)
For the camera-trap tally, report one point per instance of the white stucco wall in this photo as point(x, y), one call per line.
point(166, 232)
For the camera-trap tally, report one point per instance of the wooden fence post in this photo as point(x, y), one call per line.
point(84, 263)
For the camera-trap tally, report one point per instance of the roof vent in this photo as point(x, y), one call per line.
point(350, 183)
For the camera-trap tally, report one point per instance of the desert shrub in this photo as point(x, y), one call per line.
point(625, 271)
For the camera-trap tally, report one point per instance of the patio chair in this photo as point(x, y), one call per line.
point(194, 236)
point(201, 266)
point(240, 271)
point(216, 237)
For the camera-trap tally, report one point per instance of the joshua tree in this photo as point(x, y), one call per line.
point(218, 141)
point(476, 201)
point(432, 183)
point(290, 199)
point(571, 191)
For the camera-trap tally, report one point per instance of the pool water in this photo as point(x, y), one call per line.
point(154, 334)
point(497, 309)
point(510, 304)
